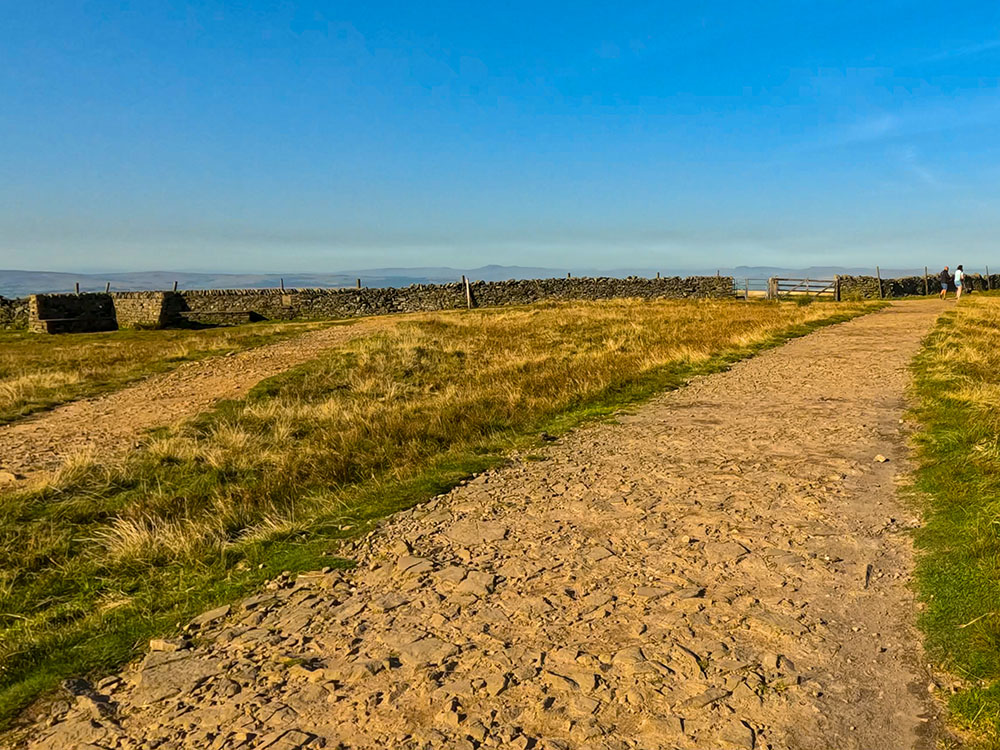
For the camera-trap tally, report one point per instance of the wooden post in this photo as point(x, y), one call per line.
point(359, 283)
point(78, 287)
point(175, 286)
point(468, 293)
point(772, 288)
point(282, 282)
point(927, 289)
point(878, 275)
point(107, 288)
point(807, 287)
point(836, 288)
point(746, 291)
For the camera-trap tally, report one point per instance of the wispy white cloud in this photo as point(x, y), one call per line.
point(967, 50)
point(871, 128)
point(905, 123)
point(911, 163)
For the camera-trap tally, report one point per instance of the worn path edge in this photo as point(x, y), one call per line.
point(727, 567)
point(108, 425)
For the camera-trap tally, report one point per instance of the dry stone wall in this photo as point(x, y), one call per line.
point(867, 287)
point(276, 304)
point(75, 312)
point(145, 309)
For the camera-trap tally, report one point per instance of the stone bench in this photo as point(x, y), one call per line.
point(220, 317)
point(73, 325)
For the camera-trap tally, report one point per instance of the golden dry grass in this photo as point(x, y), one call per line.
point(39, 371)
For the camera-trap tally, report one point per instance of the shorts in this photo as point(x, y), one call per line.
point(944, 286)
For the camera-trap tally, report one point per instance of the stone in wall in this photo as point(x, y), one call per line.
point(13, 313)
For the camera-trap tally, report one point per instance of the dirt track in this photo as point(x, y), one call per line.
point(725, 568)
point(109, 425)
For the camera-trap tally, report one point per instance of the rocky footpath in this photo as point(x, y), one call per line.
point(724, 568)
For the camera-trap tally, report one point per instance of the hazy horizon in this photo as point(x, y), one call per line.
point(309, 136)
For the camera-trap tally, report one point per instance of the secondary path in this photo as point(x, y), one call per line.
point(109, 425)
point(725, 568)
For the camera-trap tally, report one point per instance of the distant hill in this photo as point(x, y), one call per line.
point(21, 283)
point(14, 283)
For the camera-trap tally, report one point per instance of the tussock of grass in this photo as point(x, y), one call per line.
point(957, 380)
point(104, 556)
point(39, 371)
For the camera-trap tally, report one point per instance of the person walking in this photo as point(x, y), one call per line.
point(945, 279)
point(959, 278)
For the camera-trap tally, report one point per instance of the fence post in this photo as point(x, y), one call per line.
point(359, 283)
point(107, 288)
point(175, 286)
point(468, 293)
point(746, 291)
point(77, 287)
point(989, 284)
point(926, 288)
point(836, 288)
point(282, 283)
point(878, 274)
point(772, 288)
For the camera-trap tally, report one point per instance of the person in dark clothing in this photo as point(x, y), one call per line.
point(945, 278)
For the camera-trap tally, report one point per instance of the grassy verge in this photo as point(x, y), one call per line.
point(39, 371)
point(957, 380)
point(103, 557)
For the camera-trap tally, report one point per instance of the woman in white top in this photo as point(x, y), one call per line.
point(959, 273)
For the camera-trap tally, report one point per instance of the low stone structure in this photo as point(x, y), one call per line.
point(146, 309)
point(56, 313)
point(71, 313)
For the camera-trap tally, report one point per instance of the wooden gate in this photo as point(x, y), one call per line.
point(780, 287)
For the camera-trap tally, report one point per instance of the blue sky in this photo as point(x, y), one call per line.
point(309, 136)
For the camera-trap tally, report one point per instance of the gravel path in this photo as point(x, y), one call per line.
point(109, 425)
point(725, 568)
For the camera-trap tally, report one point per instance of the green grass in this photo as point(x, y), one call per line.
point(103, 557)
point(40, 371)
point(957, 384)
